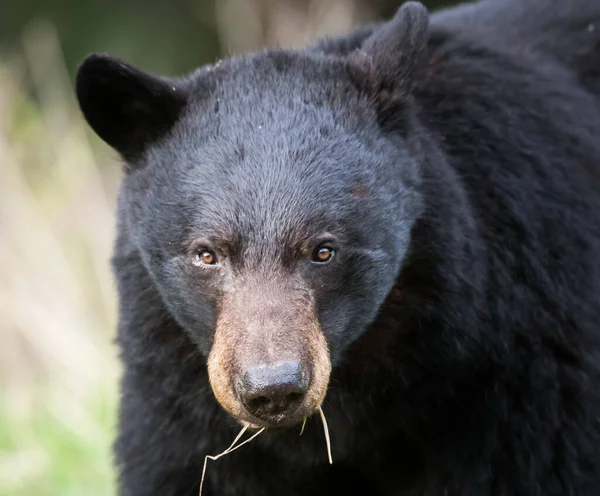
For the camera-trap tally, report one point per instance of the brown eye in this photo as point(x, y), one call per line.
point(323, 255)
point(207, 257)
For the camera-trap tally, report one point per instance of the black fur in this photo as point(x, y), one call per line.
point(463, 306)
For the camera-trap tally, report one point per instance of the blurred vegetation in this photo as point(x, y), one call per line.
point(58, 366)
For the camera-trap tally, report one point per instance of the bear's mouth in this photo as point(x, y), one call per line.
point(270, 428)
point(276, 423)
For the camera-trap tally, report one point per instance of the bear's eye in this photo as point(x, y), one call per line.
point(207, 257)
point(323, 255)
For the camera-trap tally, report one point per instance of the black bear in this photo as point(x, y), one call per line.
point(397, 228)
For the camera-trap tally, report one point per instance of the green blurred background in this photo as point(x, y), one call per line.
point(58, 364)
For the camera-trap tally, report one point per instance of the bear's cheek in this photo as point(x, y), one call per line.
point(347, 310)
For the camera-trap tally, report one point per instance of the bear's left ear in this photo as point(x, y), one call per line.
point(126, 107)
point(388, 60)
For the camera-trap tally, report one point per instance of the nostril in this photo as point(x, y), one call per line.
point(278, 401)
point(295, 397)
point(256, 403)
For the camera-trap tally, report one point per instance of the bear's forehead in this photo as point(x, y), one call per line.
point(266, 147)
point(276, 112)
point(266, 184)
point(274, 83)
point(266, 121)
point(273, 183)
point(289, 158)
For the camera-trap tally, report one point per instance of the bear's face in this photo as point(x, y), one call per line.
point(272, 208)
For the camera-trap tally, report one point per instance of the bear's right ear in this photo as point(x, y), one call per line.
point(126, 107)
point(388, 60)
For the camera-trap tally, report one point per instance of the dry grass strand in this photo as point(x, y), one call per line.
point(326, 430)
point(227, 451)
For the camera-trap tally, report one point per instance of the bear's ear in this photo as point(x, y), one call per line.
point(126, 107)
point(388, 60)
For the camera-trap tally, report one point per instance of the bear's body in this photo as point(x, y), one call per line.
point(474, 368)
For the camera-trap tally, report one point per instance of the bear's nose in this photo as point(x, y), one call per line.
point(273, 390)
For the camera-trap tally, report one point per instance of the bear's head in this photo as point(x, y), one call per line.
point(271, 198)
